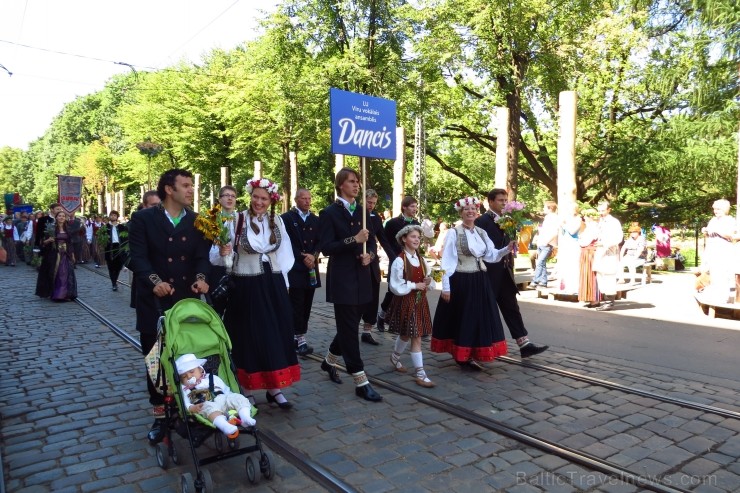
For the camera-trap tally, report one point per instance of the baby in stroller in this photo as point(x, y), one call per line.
point(207, 395)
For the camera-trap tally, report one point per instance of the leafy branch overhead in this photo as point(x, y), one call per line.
point(656, 83)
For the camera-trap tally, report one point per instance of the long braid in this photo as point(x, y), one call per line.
point(253, 224)
point(273, 239)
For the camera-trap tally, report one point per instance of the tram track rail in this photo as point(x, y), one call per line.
point(292, 455)
point(727, 413)
point(570, 454)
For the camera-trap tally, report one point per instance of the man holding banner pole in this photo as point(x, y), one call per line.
point(343, 238)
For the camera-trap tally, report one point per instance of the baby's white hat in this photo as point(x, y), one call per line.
point(187, 362)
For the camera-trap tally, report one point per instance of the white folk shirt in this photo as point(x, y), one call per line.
point(400, 286)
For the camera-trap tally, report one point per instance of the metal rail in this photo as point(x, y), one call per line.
point(570, 454)
point(624, 388)
point(292, 455)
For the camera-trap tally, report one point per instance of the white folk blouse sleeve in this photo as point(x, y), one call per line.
point(449, 258)
point(398, 285)
point(214, 255)
point(284, 253)
point(492, 255)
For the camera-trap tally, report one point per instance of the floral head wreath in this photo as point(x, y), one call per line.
point(271, 187)
point(460, 204)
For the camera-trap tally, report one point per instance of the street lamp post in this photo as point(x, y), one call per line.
point(150, 149)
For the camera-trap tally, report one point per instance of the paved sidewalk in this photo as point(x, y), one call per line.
point(74, 416)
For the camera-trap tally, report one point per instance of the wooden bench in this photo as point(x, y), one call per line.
point(554, 294)
point(715, 309)
point(645, 270)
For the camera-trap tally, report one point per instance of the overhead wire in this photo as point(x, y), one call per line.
point(200, 30)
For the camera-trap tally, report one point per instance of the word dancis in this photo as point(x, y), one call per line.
point(363, 138)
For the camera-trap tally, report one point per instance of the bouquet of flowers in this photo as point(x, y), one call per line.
point(512, 218)
point(101, 237)
point(212, 223)
point(437, 274)
point(50, 229)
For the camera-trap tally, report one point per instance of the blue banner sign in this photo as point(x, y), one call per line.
point(362, 125)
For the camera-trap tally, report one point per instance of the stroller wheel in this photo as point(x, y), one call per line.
point(251, 471)
point(162, 455)
point(218, 440)
point(186, 483)
point(173, 453)
point(206, 483)
point(266, 465)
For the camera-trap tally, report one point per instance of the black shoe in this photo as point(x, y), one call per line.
point(272, 400)
point(381, 324)
point(304, 350)
point(367, 337)
point(157, 432)
point(530, 349)
point(115, 288)
point(475, 366)
point(368, 393)
point(332, 371)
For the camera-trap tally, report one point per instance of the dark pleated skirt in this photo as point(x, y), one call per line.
point(469, 326)
point(409, 315)
point(259, 321)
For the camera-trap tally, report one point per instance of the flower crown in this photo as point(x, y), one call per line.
point(466, 201)
point(271, 187)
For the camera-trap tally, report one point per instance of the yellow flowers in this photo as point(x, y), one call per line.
point(212, 224)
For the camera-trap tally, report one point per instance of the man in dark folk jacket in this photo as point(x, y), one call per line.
point(348, 284)
point(169, 258)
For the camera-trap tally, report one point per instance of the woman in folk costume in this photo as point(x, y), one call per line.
point(258, 314)
point(588, 288)
point(408, 315)
point(467, 323)
point(10, 238)
point(59, 283)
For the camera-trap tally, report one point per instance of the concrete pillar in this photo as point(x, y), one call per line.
point(567, 149)
point(338, 163)
point(293, 177)
point(121, 204)
point(502, 145)
point(225, 176)
point(399, 170)
point(196, 187)
point(258, 169)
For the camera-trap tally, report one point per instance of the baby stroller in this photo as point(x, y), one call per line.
point(192, 326)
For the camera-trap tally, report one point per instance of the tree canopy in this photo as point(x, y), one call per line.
point(656, 81)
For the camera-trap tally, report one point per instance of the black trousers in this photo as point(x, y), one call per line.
point(147, 343)
point(115, 264)
point(347, 341)
point(370, 314)
point(505, 291)
point(302, 300)
point(217, 272)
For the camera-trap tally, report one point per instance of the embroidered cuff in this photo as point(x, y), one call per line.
point(350, 240)
point(200, 277)
point(154, 278)
point(372, 255)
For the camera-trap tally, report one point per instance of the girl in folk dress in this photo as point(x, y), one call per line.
point(409, 311)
